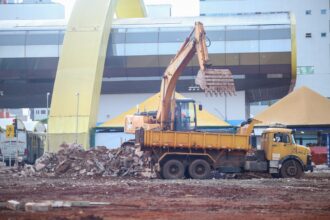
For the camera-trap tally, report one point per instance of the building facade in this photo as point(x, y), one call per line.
point(30, 10)
point(312, 34)
point(139, 51)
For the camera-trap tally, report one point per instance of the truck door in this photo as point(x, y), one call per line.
point(281, 146)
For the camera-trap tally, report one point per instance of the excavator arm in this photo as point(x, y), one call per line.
point(213, 81)
point(217, 81)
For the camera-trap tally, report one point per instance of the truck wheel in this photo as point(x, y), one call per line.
point(291, 169)
point(173, 169)
point(199, 169)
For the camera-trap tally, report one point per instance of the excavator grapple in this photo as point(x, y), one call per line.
point(216, 81)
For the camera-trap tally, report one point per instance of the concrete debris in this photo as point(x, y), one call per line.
point(37, 207)
point(13, 205)
point(60, 204)
point(73, 161)
point(44, 206)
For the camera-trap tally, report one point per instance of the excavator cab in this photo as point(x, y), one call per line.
point(185, 115)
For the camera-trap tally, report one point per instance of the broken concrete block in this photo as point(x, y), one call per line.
point(60, 204)
point(80, 203)
point(39, 166)
point(13, 205)
point(99, 203)
point(63, 167)
point(37, 207)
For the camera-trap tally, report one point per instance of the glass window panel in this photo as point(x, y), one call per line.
point(141, 30)
point(174, 34)
point(216, 47)
point(275, 45)
point(41, 51)
point(116, 61)
point(215, 33)
point(42, 38)
point(115, 29)
point(240, 27)
point(141, 49)
point(278, 33)
point(242, 46)
point(275, 26)
point(148, 37)
point(116, 50)
point(236, 35)
point(12, 51)
point(169, 48)
point(61, 37)
point(14, 38)
point(116, 38)
point(142, 61)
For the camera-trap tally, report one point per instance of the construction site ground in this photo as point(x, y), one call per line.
point(248, 197)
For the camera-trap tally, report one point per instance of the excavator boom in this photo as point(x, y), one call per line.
point(212, 81)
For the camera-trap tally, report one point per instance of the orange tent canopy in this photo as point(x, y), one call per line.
point(301, 107)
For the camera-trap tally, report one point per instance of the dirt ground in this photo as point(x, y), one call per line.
point(256, 198)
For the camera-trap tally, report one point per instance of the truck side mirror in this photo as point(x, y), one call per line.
point(200, 107)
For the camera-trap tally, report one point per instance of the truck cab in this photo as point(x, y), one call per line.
point(286, 158)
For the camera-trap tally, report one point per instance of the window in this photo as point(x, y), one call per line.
point(323, 11)
point(323, 34)
point(308, 12)
point(280, 137)
point(308, 35)
point(302, 70)
point(43, 112)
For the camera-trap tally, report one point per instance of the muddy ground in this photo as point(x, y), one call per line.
point(256, 198)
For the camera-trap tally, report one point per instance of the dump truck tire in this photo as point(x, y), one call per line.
point(173, 169)
point(199, 169)
point(291, 169)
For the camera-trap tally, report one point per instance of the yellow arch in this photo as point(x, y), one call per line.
point(79, 74)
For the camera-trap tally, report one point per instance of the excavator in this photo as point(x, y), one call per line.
point(180, 114)
point(178, 150)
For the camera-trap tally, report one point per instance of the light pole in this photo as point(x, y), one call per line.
point(48, 93)
point(77, 94)
point(47, 120)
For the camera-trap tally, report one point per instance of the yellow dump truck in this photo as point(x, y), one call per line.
point(193, 154)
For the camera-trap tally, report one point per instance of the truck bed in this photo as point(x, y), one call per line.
point(193, 139)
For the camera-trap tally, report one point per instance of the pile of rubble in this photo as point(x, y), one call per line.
point(74, 161)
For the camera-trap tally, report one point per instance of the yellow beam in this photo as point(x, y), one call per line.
point(79, 74)
point(293, 52)
point(130, 9)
